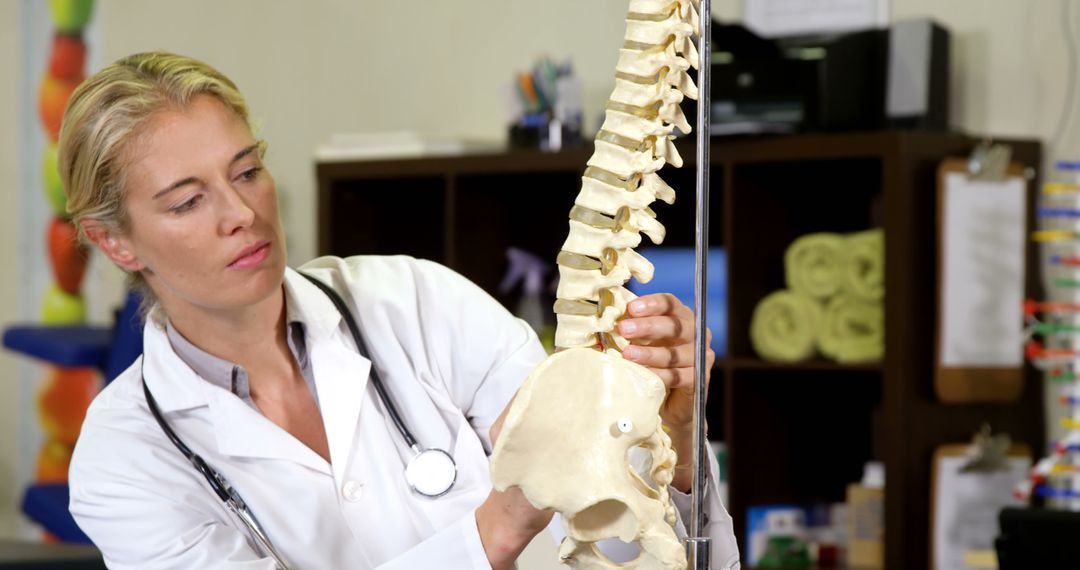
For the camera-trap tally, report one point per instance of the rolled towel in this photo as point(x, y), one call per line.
point(862, 272)
point(784, 327)
point(812, 265)
point(853, 330)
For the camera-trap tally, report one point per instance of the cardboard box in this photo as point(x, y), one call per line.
point(866, 526)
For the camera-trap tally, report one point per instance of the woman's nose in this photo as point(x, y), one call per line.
point(236, 214)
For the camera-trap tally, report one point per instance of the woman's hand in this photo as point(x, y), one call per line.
point(661, 334)
point(506, 520)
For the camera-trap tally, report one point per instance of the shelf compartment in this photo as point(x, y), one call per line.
point(388, 217)
point(776, 204)
point(799, 436)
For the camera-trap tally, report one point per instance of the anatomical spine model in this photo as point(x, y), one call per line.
point(566, 439)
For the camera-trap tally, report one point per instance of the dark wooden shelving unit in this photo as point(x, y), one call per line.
point(796, 433)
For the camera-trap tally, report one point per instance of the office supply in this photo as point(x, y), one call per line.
point(806, 83)
point(981, 242)
point(917, 87)
point(971, 483)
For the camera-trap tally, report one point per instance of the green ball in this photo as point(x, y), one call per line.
point(54, 188)
point(71, 16)
point(61, 308)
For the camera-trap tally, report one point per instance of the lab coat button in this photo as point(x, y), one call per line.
point(352, 491)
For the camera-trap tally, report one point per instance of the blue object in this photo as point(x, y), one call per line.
point(54, 498)
point(675, 274)
point(110, 351)
point(1059, 213)
point(757, 528)
point(68, 346)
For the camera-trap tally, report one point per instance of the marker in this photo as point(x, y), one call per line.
point(1055, 235)
point(1060, 187)
point(1034, 350)
point(1066, 282)
point(1031, 307)
point(1065, 260)
point(1051, 493)
point(1059, 213)
point(1049, 329)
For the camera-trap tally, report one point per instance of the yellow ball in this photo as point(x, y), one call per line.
point(61, 308)
point(71, 16)
point(54, 188)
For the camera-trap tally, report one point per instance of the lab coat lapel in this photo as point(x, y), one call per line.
point(341, 378)
point(239, 430)
point(341, 373)
point(243, 432)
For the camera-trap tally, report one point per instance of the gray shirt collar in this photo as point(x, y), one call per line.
point(233, 377)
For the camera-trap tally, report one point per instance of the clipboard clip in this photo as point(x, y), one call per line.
point(989, 161)
point(987, 453)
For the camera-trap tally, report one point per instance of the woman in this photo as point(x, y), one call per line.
point(254, 369)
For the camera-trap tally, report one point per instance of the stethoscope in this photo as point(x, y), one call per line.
point(431, 472)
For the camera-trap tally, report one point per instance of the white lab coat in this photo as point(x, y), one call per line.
point(451, 357)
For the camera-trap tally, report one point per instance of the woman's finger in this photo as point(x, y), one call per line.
point(661, 328)
point(680, 356)
point(657, 304)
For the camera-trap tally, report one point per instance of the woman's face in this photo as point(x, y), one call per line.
point(204, 227)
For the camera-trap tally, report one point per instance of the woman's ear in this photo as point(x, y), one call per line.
point(114, 245)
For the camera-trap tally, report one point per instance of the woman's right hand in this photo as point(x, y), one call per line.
point(506, 520)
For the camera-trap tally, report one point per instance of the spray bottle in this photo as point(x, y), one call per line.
point(530, 270)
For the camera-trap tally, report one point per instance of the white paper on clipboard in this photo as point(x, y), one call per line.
point(966, 507)
point(984, 232)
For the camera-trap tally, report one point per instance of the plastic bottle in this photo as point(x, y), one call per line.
point(530, 270)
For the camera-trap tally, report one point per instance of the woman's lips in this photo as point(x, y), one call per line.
point(252, 256)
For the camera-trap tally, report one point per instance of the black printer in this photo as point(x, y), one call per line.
point(836, 82)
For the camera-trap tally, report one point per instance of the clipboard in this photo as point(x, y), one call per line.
point(981, 254)
point(964, 504)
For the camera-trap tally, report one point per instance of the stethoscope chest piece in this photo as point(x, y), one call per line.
point(431, 472)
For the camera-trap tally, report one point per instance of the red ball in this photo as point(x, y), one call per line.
point(67, 256)
point(68, 57)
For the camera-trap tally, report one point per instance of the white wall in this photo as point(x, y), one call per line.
point(310, 69)
point(9, 259)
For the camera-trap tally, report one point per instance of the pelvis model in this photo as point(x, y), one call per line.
point(566, 439)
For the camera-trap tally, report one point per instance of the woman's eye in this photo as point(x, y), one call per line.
point(251, 173)
point(187, 205)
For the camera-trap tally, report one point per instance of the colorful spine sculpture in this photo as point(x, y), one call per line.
point(1056, 478)
point(66, 392)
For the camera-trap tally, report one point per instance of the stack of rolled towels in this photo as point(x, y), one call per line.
point(833, 304)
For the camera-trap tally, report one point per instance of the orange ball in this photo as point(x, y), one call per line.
point(63, 400)
point(53, 461)
point(52, 98)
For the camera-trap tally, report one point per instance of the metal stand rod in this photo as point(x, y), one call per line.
point(698, 546)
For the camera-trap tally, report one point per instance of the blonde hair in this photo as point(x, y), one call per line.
point(106, 113)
